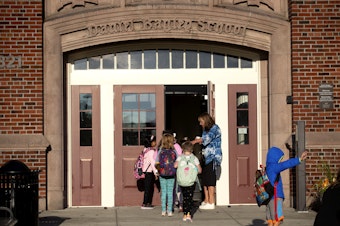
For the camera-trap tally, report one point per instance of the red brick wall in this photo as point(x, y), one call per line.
point(21, 77)
point(315, 60)
point(21, 90)
point(315, 35)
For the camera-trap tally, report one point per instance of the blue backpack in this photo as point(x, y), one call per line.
point(165, 164)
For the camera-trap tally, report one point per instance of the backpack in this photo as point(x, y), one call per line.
point(165, 164)
point(186, 171)
point(138, 167)
point(263, 189)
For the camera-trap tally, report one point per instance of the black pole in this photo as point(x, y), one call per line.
point(301, 169)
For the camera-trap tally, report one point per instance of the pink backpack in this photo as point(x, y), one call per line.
point(138, 167)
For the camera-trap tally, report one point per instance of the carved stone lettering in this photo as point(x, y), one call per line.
point(166, 25)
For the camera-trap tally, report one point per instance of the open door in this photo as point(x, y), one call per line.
point(211, 99)
point(242, 123)
point(138, 112)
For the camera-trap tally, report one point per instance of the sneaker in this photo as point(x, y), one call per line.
point(189, 218)
point(184, 217)
point(147, 207)
point(163, 213)
point(207, 206)
point(170, 214)
point(203, 204)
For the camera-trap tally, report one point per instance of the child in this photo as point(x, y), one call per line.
point(165, 164)
point(178, 197)
point(274, 166)
point(188, 191)
point(149, 170)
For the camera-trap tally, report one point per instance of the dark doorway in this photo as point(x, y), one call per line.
point(182, 106)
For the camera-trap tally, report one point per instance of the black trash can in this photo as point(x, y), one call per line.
point(19, 191)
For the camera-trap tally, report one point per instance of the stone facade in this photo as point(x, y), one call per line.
point(300, 49)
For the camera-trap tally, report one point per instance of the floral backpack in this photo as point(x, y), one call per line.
point(187, 171)
point(138, 167)
point(165, 164)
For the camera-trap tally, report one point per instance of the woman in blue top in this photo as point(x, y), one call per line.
point(211, 141)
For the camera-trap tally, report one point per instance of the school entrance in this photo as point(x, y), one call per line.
point(123, 101)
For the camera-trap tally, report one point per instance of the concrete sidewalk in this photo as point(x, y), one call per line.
point(133, 216)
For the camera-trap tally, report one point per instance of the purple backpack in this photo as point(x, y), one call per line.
point(166, 159)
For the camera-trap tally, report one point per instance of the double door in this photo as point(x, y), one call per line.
point(139, 111)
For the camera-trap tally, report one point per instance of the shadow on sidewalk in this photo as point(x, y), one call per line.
point(258, 222)
point(51, 221)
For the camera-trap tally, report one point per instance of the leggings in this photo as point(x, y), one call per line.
point(274, 211)
point(167, 189)
point(188, 194)
point(149, 187)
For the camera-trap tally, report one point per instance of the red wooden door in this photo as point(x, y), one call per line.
point(242, 125)
point(86, 151)
point(138, 112)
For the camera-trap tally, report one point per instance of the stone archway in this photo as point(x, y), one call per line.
point(90, 28)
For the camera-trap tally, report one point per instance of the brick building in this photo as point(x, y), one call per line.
point(82, 82)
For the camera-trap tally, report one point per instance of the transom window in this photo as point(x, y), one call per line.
point(163, 59)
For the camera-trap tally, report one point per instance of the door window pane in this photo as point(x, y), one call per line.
point(85, 120)
point(85, 137)
point(148, 101)
point(149, 59)
point(130, 137)
point(242, 136)
point(205, 60)
point(130, 119)
point(85, 101)
point(242, 118)
point(163, 58)
point(191, 59)
point(146, 133)
point(136, 59)
point(177, 58)
point(148, 119)
point(130, 101)
point(242, 100)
